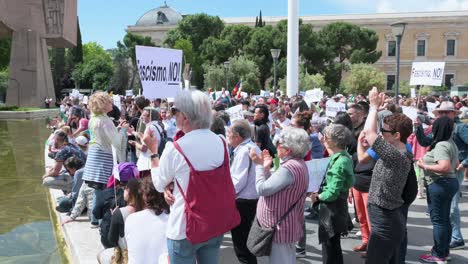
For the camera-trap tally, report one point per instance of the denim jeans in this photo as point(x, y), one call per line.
point(387, 232)
point(439, 198)
point(404, 244)
point(183, 252)
point(455, 211)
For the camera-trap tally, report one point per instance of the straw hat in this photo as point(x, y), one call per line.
point(446, 106)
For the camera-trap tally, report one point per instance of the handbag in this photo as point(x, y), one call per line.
point(260, 239)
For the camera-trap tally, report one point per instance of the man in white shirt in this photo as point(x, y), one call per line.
point(206, 152)
point(243, 177)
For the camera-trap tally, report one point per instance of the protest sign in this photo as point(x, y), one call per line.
point(313, 96)
point(85, 99)
point(427, 73)
point(128, 92)
point(235, 113)
point(413, 93)
point(431, 107)
point(264, 93)
point(334, 107)
point(116, 101)
point(160, 71)
point(317, 169)
point(410, 112)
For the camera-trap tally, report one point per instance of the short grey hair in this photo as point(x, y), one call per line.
point(295, 139)
point(242, 127)
point(340, 135)
point(196, 107)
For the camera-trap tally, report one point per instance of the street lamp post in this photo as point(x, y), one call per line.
point(226, 66)
point(398, 29)
point(275, 54)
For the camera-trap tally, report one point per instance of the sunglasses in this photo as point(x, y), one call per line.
point(383, 130)
point(174, 111)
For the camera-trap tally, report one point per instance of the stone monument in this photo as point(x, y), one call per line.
point(34, 25)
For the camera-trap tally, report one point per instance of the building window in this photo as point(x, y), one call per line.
point(421, 48)
point(390, 82)
point(450, 47)
point(391, 48)
point(448, 80)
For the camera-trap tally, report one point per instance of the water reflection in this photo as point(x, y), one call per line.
point(26, 233)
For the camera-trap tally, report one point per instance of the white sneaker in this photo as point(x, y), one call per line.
point(358, 234)
point(355, 223)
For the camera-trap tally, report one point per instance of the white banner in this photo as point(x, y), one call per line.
point(427, 73)
point(128, 92)
point(313, 96)
point(413, 92)
point(117, 101)
point(317, 169)
point(235, 113)
point(410, 112)
point(334, 107)
point(160, 71)
point(431, 107)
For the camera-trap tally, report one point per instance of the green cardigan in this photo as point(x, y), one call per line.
point(339, 177)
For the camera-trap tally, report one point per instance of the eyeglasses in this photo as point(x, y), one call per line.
point(383, 130)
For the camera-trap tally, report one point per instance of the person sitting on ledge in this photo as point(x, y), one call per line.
point(55, 178)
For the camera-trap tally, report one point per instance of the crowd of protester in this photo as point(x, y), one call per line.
point(189, 172)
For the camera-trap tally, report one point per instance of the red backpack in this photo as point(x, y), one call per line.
point(210, 201)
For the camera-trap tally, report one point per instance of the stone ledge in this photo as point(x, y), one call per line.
point(34, 114)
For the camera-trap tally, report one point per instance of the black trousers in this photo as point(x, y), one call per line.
point(247, 210)
point(331, 251)
point(387, 234)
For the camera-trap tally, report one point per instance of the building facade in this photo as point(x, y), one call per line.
point(429, 36)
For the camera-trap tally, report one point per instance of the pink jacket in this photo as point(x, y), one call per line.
point(418, 150)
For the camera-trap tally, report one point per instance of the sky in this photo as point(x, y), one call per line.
point(105, 21)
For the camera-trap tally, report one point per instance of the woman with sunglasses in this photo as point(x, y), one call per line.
point(388, 181)
point(439, 166)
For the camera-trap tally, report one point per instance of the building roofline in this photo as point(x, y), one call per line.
point(361, 18)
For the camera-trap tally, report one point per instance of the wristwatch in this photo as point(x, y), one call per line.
point(156, 155)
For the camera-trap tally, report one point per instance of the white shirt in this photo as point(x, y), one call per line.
point(145, 233)
point(170, 127)
point(283, 125)
point(243, 170)
point(144, 160)
point(205, 151)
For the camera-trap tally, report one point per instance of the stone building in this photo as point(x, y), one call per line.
point(429, 36)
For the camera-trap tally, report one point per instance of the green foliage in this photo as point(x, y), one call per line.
point(5, 50)
point(347, 42)
point(404, 88)
point(195, 28)
point(259, 20)
point(258, 50)
point(362, 77)
point(76, 53)
point(215, 77)
point(4, 78)
point(92, 50)
point(242, 68)
point(425, 90)
point(187, 49)
point(95, 74)
point(309, 81)
point(57, 62)
point(121, 76)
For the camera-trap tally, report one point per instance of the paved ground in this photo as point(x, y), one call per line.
point(419, 236)
point(84, 242)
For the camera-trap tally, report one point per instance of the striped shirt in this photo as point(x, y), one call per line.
point(271, 208)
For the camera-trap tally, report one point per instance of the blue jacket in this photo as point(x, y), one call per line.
point(459, 136)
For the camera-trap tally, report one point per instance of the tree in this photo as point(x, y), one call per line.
point(122, 71)
point(5, 50)
point(258, 50)
point(311, 81)
point(362, 77)
point(245, 70)
point(95, 73)
point(215, 77)
point(93, 50)
point(57, 61)
point(347, 43)
point(127, 50)
point(259, 21)
point(4, 78)
point(77, 52)
point(196, 29)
